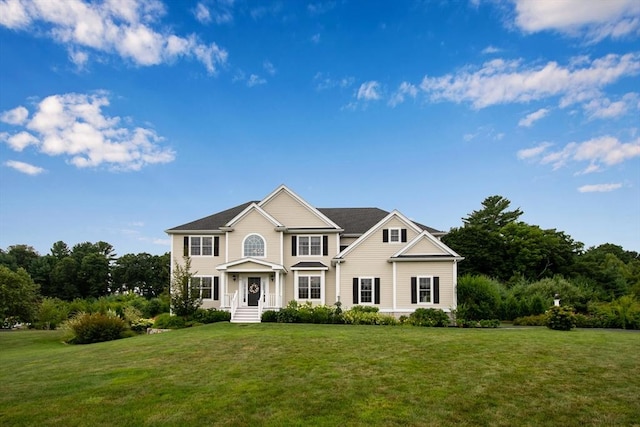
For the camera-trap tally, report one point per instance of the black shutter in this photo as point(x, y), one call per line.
point(294, 246)
point(185, 247)
point(436, 290)
point(414, 290)
point(216, 246)
point(325, 245)
point(216, 288)
point(385, 235)
point(355, 290)
point(376, 291)
point(404, 234)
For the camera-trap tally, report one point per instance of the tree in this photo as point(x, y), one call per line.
point(23, 254)
point(142, 273)
point(18, 295)
point(494, 215)
point(185, 295)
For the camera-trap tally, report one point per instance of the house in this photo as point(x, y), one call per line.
point(262, 254)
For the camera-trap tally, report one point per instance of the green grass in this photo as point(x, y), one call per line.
point(301, 375)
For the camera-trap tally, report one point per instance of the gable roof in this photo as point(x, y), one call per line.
point(316, 212)
point(360, 220)
point(446, 251)
point(354, 221)
point(212, 222)
point(247, 210)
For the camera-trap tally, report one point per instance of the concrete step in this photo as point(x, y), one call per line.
point(246, 315)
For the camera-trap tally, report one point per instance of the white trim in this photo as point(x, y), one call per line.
point(426, 235)
point(376, 227)
point(300, 200)
point(395, 285)
point(228, 265)
point(399, 230)
point(281, 248)
point(455, 285)
point(264, 243)
point(310, 236)
point(201, 236)
point(338, 278)
point(373, 291)
point(246, 211)
point(226, 247)
point(201, 276)
point(418, 302)
point(297, 275)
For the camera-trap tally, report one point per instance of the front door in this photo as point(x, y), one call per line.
point(253, 287)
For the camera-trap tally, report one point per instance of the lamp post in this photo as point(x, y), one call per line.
point(556, 300)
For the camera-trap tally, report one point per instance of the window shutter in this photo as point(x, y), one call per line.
point(376, 291)
point(294, 246)
point(385, 235)
point(216, 288)
point(403, 234)
point(414, 290)
point(355, 290)
point(185, 247)
point(325, 245)
point(436, 290)
point(216, 246)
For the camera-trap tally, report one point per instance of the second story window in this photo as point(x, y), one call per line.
point(309, 245)
point(254, 246)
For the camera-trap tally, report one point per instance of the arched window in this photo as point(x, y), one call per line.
point(253, 246)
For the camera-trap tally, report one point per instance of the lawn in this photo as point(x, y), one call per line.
point(301, 375)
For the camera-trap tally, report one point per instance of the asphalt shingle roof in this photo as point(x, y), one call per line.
point(352, 220)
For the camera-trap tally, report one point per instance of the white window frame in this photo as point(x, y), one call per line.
point(264, 246)
point(200, 246)
point(308, 287)
point(201, 288)
point(373, 291)
point(419, 289)
point(398, 238)
point(308, 246)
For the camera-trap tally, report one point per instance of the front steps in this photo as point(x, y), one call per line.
point(246, 315)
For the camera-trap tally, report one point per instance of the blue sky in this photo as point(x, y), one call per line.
point(120, 119)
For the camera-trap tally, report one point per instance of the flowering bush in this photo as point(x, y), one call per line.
point(560, 318)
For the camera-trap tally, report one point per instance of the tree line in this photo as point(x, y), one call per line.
point(89, 270)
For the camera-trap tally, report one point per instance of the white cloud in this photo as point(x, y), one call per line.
point(269, 68)
point(500, 82)
point(122, 28)
point(490, 50)
point(324, 81)
point(405, 89)
point(593, 19)
point(73, 125)
point(598, 152)
point(17, 116)
point(320, 8)
point(24, 167)
point(369, 91)
point(600, 188)
point(529, 153)
point(604, 108)
point(315, 38)
point(255, 80)
point(533, 117)
point(202, 14)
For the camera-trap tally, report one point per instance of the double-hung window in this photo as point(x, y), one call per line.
point(366, 290)
point(310, 245)
point(201, 245)
point(204, 285)
point(394, 235)
point(309, 287)
point(424, 290)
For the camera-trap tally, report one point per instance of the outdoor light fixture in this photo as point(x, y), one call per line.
point(233, 277)
point(272, 277)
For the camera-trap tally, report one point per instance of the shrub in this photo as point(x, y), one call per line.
point(483, 323)
point(364, 309)
point(210, 315)
point(480, 297)
point(96, 327)
point(361, 317)
point(288, 315)
point(141, 325)
point(156, 306)
point(167, 321)
point(429, 317)
point(560, 318)
point(269, 316)
point(51, 313)
point(535, 320)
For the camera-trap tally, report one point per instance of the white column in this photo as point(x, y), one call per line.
point(395, 286)
point(323, 289)
point(338, 282)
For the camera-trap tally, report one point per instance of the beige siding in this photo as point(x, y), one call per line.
point(255, 222)
point(290, 212)
point(200, 265)
point(425, 246)
point(441, 269)
point(370, 259)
